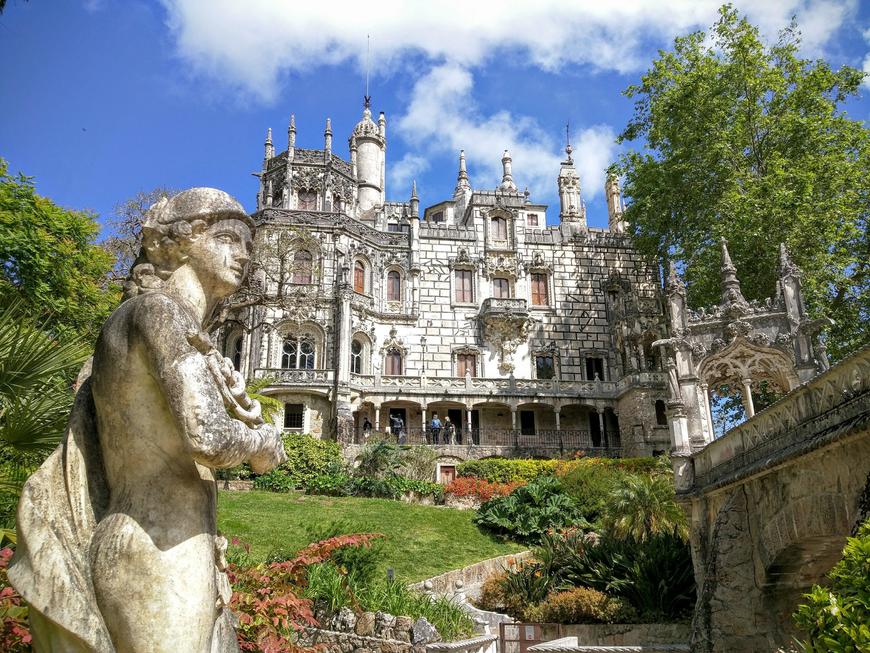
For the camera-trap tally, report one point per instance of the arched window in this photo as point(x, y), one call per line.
point(336, 203)
point(302, 261)
point(498, 228)
point(356, 357)
point(298, 353)
point(307, 200)
point(393, 363)
point(359, 277)
point(236, 353)
point(394, 286)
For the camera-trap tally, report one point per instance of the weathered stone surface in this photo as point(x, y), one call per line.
point(103, 547)
point(365, 624)
point(424, 632)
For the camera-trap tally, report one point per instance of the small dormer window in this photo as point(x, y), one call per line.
point(532, 220)
point(437, 217)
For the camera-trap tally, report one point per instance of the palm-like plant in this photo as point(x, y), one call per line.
point(36, 396)
point(644, 506)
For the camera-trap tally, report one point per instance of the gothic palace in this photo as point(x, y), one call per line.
point(532, 339)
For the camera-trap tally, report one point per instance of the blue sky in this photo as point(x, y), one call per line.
point(104, 98)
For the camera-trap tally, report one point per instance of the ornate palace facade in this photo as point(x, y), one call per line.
point(526, 335)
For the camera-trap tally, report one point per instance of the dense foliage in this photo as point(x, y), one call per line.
point(581, 605)
point(837, 618)
point(36, 374)
point(750, 142)
point(307, 458)
point(510, 470)
point(479, 489)
point(268, 597)
point(530, 511)
point(49, 260)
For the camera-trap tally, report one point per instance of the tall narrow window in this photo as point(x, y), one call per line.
point(532, 219)
point(359, 277)
point(527, 422)
point(464, 290)
point(393, 363)
point(307, 200)
point(466, 364)
point(302, 267)
point(545, 367)
point(498, 228)
point(661, 415)
point(501, 288)
point(336, 204)
point(306, 354)
point(394, 286)
point(594, 369)
point(289, 354)
point(540, 295)
point(356, 350)
point(236, 353)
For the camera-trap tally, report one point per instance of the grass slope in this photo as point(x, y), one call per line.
point(422, 541)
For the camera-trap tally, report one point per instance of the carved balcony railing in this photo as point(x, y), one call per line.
point(542, 439)
point(508, 307)
point(296, 377)
point(479, 386)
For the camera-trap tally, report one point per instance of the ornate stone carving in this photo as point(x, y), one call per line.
point(103, 549)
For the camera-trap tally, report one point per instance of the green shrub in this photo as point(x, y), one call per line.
point(393, 487)
point(334, 485)
point(643, 506)
point(276, 480)
point(581, 605)
point(837, 618)
point(418, 463)
point(308, 457)
point(358, 563)
point(507, 470)
point(530, 511)
point(591, 486)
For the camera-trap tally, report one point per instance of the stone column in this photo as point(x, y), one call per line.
point(747, 398)
point(468, 422)
point(377, 426)
point(711, 434)
point(423, 420)
point(557, 414)
point(602, 426)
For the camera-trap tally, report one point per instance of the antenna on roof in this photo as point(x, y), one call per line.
point(367, 99)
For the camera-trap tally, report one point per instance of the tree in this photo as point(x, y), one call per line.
point(750, 142)
point(126, 223)
point(49, 260)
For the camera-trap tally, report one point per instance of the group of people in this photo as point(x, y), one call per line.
point(437, 429)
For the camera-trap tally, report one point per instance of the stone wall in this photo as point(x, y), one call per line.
point(347, 632)
point(458, 580)
point(620, 634)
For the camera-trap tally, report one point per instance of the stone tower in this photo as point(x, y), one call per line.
point(368, 153)
point(572, 213)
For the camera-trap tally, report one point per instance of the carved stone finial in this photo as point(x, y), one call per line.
point(507, 179)
point(786, 265)
point(731, 293)
point(675, 282)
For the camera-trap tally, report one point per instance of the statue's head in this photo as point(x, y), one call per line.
point(203, 228)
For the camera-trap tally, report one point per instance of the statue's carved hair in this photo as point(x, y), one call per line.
point(170, 226)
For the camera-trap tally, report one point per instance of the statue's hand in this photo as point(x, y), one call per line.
point(272, 453)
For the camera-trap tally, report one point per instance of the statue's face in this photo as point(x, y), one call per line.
point(220, 256)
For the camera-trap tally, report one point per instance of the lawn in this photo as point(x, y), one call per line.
point(421, 541)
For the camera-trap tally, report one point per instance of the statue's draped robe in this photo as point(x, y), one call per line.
point(60, 506)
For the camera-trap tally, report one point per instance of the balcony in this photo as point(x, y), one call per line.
point(549, 441)
point(285, 377)
point(510, 308)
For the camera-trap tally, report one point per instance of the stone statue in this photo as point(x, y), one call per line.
point(118, 547)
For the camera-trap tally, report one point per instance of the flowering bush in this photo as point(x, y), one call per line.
point(267, 598)
point(480, 488)
point(14, 632)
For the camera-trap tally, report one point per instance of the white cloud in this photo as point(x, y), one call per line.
point(404, 171)
point(248, 45)
point(867, 59)
point(442, 117)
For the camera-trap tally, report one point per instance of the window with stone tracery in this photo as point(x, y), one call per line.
point(298, 353)
point(498, 228)
point(356, 351)
point(545, 366)
point(307, 200)
point(235, 352)
point(463, 286)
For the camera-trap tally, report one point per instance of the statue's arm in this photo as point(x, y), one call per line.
point(213, 437)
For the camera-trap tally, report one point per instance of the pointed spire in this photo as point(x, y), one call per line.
point(731, 293)
point(328, 129)
point(291, 131)
point(415, 201)
point(568, 148)
point(675, 282)
point(462, 183)
point(507, 179)
point(269, 152)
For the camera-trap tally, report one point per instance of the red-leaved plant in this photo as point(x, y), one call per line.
point(479, 488)
point(265, 597)
point(14, 630)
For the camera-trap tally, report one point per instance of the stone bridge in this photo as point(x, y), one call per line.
point(771, 505)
